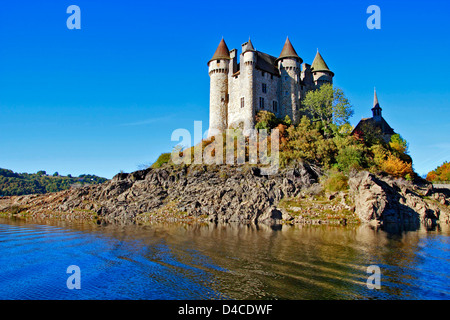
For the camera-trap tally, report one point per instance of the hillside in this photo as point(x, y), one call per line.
point(441, 173)
point(16, 184)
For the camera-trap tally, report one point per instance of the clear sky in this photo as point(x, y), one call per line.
point(107, 97)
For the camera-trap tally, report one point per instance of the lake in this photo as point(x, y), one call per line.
point(209, 261)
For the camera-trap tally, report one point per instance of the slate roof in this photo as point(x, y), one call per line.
point(222, 52)
point(319, 64)
point(289, 51)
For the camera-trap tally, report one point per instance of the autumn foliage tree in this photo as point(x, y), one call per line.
point(441, 173)
point(397, 167)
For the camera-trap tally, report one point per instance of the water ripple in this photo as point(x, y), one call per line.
point(217, 262)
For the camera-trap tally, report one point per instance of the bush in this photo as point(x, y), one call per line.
point(336, 181)
point(350, 157)
point(397, 167)
point(162, 159)
point(398, 144)
point(379, 153)
point(266, 120)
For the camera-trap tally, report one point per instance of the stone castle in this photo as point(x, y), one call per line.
point(259, 81)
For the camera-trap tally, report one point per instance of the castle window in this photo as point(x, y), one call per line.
point(275, 106)
point(264, 88)
point(242, 102)
point(263, 73)
point(271, 77)
point(261, 102)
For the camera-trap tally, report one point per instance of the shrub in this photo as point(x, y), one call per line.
point(287, 121)
point(379, 154)
point(266, 120)
point(162, 159)
point(398, 144)
point(350, 157)
point(336, 181)
point(396, 167)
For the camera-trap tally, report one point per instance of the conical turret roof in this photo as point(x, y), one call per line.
point(222, 52)
point(289, 51)
point(248, 46)
point(319, 64)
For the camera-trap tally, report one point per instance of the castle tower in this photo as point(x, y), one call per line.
point(289, 64)
point(376, 110)
point(248, 65)
point(218, 97)
point(321, 73)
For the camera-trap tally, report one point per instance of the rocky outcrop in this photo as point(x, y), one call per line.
point(210, 193)
point(233, 194)
point(388, 200)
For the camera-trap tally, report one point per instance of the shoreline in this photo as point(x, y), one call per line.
point(222, 194)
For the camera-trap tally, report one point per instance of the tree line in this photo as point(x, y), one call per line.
point(15, 184)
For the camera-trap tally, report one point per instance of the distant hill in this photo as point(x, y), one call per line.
point(16, 184)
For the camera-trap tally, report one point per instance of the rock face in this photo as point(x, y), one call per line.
point(227, 194)
point(391, 200)
point(213, 193)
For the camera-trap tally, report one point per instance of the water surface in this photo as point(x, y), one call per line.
point(181, 261)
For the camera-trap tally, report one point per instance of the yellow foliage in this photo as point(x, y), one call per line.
point(396, 167)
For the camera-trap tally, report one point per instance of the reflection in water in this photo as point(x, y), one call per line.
point(181, 261)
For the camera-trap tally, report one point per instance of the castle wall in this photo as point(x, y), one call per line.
point(271, 94)
point(234, 105)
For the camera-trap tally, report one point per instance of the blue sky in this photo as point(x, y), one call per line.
point(107, 97)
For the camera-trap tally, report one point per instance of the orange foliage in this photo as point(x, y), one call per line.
point(441, 173)
point(396, 167)
point(283, 134)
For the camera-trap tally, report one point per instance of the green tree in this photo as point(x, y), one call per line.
point(329, 105)
point(398, 143)
point(266, 120)
point(12, 184)
point(287, 121)
point(350, 157)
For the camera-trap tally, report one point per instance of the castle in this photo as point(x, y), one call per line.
point(259, 81)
